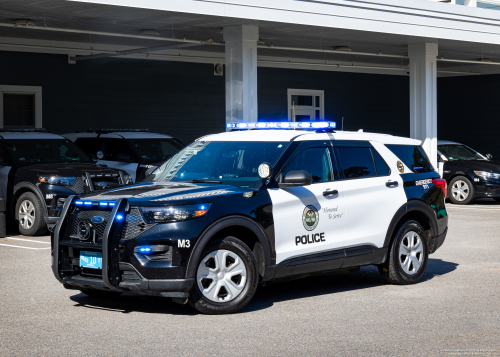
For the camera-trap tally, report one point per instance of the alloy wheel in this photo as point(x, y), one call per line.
point(411, 253)
point(460, 190)
point(221, 276)
point(27, 214)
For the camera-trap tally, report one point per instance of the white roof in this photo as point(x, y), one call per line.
point(119, 135)
point(28, 135)
point(305, 135)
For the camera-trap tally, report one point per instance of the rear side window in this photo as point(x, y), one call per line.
point(380, 165)
point(356, 162)
point(115, 151)
point(90, 146)
point(412, 156)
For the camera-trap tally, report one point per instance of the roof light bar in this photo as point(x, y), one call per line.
point(283, 125)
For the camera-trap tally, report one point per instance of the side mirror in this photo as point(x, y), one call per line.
point(122, 157)
point(489, 156)
point(296, 178)
point(99, 155)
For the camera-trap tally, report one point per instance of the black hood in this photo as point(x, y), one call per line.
point(68, 170)
point(154, 193)
point(482, 165)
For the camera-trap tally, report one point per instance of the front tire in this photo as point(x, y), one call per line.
point(408, 255)
point(30, 212)
point(226, 278)
point(461, 191)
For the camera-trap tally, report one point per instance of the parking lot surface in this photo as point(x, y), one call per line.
point(454, 310)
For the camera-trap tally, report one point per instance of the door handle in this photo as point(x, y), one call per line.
point(391, 184)
point(330, 193)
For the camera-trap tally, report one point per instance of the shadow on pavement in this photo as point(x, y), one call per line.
point(266, 296)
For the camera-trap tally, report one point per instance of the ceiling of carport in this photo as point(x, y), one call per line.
point(127, 20)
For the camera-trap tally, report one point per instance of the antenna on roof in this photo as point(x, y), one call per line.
point(342, 123)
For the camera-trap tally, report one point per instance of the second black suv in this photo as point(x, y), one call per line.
point(39, 170)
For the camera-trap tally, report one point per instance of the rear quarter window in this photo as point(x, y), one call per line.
point(413, 156)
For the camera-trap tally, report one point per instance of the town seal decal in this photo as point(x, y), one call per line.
point(401, 167)
point(310, 218)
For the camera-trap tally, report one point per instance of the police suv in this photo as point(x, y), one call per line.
point(39, 170)
point(137, 151)
point(240, 208)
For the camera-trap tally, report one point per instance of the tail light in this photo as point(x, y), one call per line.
point(441, 184)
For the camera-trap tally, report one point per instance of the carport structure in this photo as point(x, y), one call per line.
point(375, 65)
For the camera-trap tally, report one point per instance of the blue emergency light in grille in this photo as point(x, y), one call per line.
point(284, 125)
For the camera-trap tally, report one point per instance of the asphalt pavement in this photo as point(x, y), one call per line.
point(453, 311)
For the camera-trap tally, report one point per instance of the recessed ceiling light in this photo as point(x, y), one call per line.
point(485, 60)
point(149, 33)
point(342, 48)
point(23, 22)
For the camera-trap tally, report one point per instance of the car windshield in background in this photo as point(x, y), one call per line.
point(459, 152)
point(233, 162)
point(154, 150)
point(44, 151)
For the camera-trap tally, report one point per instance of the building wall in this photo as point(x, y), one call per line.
point(469, 112)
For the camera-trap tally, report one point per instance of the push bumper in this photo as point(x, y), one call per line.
point(438, 241)
point(50, 222)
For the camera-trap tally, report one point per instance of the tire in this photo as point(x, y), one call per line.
point(221, 291)
point(401, 268)
point(461, 191)
point(30, 211)
point(101, 294)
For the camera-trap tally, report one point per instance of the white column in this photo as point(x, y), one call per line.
point(241, 72)
point(423, 96)
point(470, 3)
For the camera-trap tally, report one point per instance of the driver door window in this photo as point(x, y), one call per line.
point(316, 161)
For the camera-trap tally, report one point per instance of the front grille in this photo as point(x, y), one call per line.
point(79, 186)
point(85, 218)
point(109, 184)
point(135, 225)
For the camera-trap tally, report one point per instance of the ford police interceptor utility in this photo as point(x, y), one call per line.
point(137, 151)
point(240, 208)
point(39, 170)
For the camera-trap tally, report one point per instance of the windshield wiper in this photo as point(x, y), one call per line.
point(204, 181)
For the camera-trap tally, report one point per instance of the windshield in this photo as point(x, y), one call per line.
point(459, 152)
point(154, 150)
point(231, 162)
point(44, 151)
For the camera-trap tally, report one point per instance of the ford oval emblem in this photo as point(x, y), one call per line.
point(102, 184)
point(97, 219)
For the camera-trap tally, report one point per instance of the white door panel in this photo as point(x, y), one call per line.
point(324, 230)
point(130, 168)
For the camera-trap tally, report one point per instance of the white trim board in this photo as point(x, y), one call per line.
point(36, 90)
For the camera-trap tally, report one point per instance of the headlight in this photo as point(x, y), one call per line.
point(57, 180)
point(486, 174)
point(128, 179)
point(173, 213)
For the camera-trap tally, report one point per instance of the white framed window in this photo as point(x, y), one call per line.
point(20, 106)
point(305, 104)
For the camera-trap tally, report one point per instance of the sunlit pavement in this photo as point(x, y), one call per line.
point(454, 310)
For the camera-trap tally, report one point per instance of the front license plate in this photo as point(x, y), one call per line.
point(92, 260)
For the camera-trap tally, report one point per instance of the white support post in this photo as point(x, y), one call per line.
point(472, 3)
point(423, 96)
point(241, 73)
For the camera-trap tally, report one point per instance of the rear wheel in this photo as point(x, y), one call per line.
point(30, 211)
point(408, 255)
point(101, 294)
point(461, 191)
point(226, 278)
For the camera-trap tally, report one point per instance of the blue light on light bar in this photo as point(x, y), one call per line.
point(283, 125)
point(87, 203)
point(304, 125)
point(319, 124)
point(242, 125)
point(119, 217)
point(78, 203)
point(111, 204)
point(333, 124)
point(103, 204)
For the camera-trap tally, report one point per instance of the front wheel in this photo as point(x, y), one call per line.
point(408, 255)
point(226, 278)
point(30, 212)
point(461, 191)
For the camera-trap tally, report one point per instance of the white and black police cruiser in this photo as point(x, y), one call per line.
point(240, 208)
point(136, 151)
point(39, 170)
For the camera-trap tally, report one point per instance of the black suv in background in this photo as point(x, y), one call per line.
point(39, 170)
point(136, 151)
point(469, 174)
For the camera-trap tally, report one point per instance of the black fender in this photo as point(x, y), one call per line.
point(216, 227)
point(414, 205)
point(33, 189)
